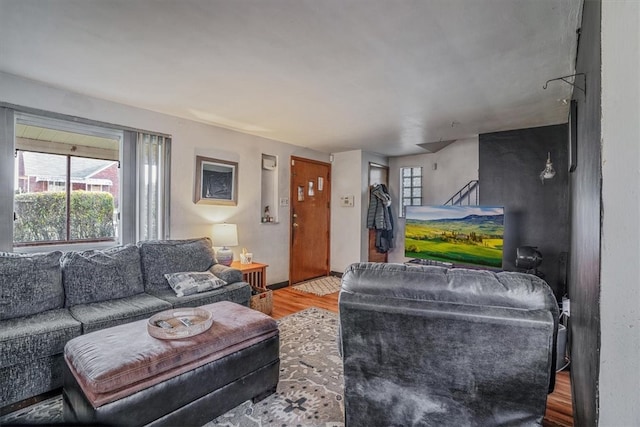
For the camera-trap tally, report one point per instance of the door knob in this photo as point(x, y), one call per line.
point(295, 215)
point(295, 224)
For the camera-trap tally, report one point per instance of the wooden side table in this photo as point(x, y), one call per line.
point(254, 274)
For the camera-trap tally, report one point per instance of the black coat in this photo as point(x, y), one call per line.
point(379, 217)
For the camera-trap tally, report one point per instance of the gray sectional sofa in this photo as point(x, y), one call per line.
point(46, 299)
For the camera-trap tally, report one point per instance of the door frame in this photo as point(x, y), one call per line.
point(370, 232)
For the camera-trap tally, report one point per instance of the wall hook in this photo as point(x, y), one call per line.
point(563, 78)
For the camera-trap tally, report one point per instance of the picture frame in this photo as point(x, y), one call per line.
point(216, 182)
point(573, 136)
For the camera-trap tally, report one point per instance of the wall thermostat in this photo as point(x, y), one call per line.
point(346, 201)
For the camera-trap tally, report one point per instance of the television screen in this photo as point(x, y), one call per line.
point(461, 235)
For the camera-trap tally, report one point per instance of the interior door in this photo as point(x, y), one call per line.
point(310, 219)
point(378, 174)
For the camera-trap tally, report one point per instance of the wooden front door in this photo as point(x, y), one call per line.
point(310, 219)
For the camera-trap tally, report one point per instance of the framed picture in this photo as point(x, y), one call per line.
point(216, 182)
point(573, 136)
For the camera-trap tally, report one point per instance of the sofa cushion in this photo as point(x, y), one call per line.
point(100, 315)
point(160, 257)
point(36, 336)
point(238, 292)
point(193, 282)
point(95, 276)
point(30, 284)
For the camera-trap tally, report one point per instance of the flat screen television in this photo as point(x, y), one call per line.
point(460, 235)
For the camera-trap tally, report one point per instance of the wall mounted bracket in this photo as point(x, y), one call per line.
point(563, 78)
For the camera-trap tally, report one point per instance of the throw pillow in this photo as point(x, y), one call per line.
point(188, 283)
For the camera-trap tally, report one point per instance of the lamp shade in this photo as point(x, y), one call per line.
point(225, 235)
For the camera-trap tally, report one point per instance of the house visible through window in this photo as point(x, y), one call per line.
point(67, 184)
point(410, 187)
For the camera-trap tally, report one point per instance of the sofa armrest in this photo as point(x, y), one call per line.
point(228, 274)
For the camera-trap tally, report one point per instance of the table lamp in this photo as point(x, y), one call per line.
point(225, 235)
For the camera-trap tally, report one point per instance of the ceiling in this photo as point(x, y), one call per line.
point(331, 75)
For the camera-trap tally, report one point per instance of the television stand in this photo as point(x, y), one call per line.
point(419, 261)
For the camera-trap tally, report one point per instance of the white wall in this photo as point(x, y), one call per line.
point(269, 243)
point(349, 233)
point(619, 380)
point(457, 164)
point(346, 180)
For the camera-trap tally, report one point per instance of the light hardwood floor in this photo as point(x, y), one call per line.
point(559, 408)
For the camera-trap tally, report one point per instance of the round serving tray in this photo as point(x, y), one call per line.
point(179, 323)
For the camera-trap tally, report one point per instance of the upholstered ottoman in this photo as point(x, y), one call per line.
point(124, 376)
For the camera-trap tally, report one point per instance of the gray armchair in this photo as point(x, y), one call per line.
point(432, 346)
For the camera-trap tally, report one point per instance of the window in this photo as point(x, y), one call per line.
point(59, 197)
point(51, 185)
point(410, 187)
point(55, 200)
point(70, 182)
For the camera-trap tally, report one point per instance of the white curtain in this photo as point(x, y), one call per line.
point(153, 162)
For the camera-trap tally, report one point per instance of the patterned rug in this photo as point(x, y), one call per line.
point(309, 392)
point(320, 286)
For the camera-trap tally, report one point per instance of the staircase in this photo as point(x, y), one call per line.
point(467, 195)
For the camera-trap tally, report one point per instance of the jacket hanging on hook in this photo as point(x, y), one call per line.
point(379, 217)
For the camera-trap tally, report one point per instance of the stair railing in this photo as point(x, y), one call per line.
point(468, 193)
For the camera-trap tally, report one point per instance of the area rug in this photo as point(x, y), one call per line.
point(320, 286)
point(309, 392)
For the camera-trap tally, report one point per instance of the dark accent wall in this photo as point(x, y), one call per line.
point(584, 259)
point(536, 213)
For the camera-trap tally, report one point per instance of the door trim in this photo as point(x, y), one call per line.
point(371, 233)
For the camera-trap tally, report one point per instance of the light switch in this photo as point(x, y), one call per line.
point(284, 202)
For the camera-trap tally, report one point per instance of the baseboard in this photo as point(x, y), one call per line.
point(335, 274)
point(279, 285)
